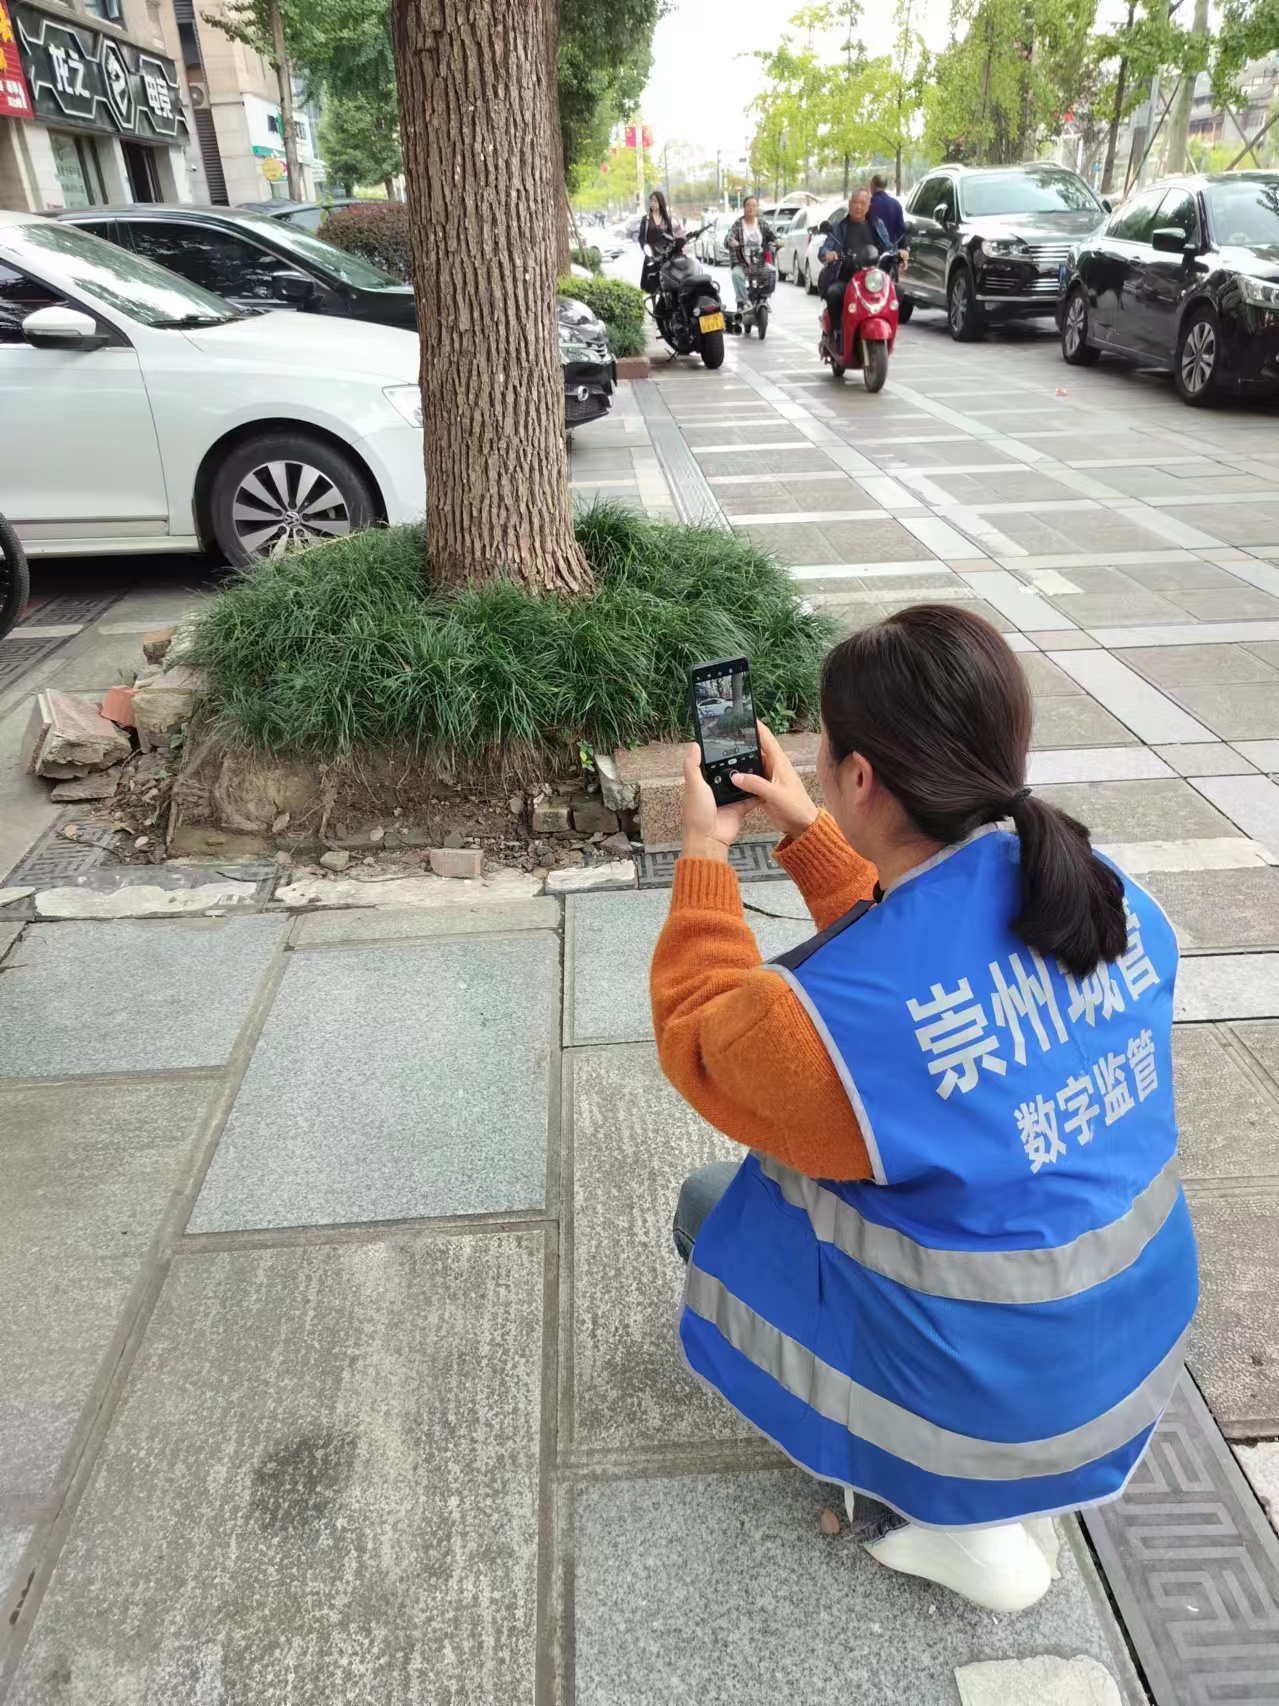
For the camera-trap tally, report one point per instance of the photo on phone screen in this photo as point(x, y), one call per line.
point(724, 711)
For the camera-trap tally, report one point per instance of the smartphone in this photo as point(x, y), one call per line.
point(724, 722)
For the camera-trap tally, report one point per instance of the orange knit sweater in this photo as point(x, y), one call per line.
point(733, 1037)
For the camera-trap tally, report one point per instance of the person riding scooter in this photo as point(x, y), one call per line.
point(749, 239)
point(855, 241)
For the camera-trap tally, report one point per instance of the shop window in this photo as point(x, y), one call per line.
point(103, 9)
point(139, 162)
point(79, 172)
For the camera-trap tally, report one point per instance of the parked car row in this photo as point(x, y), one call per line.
point(218, 379)
point(1183, 275)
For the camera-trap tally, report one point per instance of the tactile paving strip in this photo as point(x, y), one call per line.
point(694, 500)
point(1193, 1565)
point(752, 859)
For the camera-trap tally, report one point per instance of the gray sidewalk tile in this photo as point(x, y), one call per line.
point(373, 924)
point(1228, 986)
point(322, 1486)
point(1140, 811)
point(1147, 712)
point(1234, 1339)
point(392, 1083)
point(611, 938)
point(721, 1590)
point(86, 1175)
point(1226, 1120)
point(1205, 758)
point(13, 1542)
point(1252, 802)
point(190, 984)
point(1172, 667)
point(1220, 910)
point(635, 1140)
point(1262, 1042)
point(1243, 710)
point(1263, 753)
point(1046, 679)
point(1131, 763)
point(1067, 722)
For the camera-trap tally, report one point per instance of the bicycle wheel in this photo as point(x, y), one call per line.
point(15, 582)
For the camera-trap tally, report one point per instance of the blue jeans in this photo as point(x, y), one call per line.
point(698, 1195)
point(739, 282)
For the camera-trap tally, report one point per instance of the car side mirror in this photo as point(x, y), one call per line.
point(1171, 240)
point(941, 213)
point(293, 286)
point(60, 327)
point(1107, 204)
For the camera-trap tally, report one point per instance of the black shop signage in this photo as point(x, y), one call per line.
point(77, 74)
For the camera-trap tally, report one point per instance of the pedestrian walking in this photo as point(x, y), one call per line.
point(887, 209)
point(956, 1270)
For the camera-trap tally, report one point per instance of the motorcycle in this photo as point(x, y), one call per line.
point(686, 304)
point(761, 282)
point(869, 328)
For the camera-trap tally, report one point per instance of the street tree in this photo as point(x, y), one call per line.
point(260, 25)
point(360, 142)
point(477, 92)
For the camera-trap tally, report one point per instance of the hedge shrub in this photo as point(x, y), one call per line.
point(621, 306)
point(377, 234)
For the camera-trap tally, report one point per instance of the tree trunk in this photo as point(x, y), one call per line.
point(1179, 120)
point(563, 258)
point(475, 94)
point(388, 184)
point(284, 76)
point(1116, 119)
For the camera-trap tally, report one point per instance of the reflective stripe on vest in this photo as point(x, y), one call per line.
point(909, 1436)
point(979, 1276)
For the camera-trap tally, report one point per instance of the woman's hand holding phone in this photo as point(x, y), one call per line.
point(711, 829)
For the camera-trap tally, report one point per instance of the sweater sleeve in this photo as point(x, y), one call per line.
point(829, 875)
point(731, 1035)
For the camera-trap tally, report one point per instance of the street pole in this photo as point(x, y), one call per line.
point(1152, 133)
point(719, 187)
point(639, 159)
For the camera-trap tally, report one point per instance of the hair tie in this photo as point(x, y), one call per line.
point(1018, 797)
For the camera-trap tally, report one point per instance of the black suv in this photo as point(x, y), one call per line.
point(987, 242)
point(1184, 276)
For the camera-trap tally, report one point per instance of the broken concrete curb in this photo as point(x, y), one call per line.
point(406, 891)
point(617, 874)
point(143, 900)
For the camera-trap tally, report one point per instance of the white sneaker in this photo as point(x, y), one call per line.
point(1000, 1568)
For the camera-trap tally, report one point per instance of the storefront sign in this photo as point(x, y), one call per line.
point(272, 171)
point(14, 99)
point(77, 75)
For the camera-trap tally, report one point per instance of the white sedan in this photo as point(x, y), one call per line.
point(139, 412)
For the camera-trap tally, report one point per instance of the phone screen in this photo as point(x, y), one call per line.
point(725, 712)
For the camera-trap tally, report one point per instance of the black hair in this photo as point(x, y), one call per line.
point(661, 203)
point(878, 183)
point(937, 703)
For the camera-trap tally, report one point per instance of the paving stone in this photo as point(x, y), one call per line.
point(146, 900)
point(1189, 666)
point(1075, 723)
point(372, 924)
point(635, 1141)
point(1220, 909)
point(1266, 650)
point(391, 1083)
point(10, 930)
point(1095, 764)
point(746, 1542)
point(321, 1487)
point(798, 542)
point(13, 1543)
point(1262, 1042)
point(1136, 811)
point(500, 888)
point(1228, 986)
point(86, 1175)
point(610, 948)
point(1205, 758)
point(1144, 709)
point(1137, 608)
point(1045, 1680)
point(1046, 680)
point(1235, 524)
point(1234, 1339)
point(871, 542)
point(1174, 578)
point(1229, 604)
point(1235, 710)
point(1263, 753)
point(1226, 1120)
point(1251, 802)
point(190, 985)
point(1260, 1463)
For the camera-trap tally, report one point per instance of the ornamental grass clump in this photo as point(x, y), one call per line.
point(344, 648)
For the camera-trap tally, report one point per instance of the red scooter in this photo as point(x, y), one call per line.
point(870, 324)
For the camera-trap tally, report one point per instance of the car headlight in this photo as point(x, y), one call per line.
point(1260, 292)
point(1003, 246)
point(572, 350)
point(406, 400)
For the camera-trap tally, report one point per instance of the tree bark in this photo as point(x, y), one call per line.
point(475, 95)
point(1116, 119)
point(284, 76)
point(1179, 120)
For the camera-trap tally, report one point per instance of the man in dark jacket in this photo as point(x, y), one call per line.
point(855, 241)
point(887, 209)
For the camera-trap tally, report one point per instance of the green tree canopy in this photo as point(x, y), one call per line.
point(359, 140)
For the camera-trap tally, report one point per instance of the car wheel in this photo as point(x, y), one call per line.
point(905, 308)
point(15, 581)
point(1075, 347)
point(961, 307)
point(810, 282)
point(1197, 370)
point(281, 491)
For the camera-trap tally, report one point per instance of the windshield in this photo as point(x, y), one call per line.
point(349, 268)
point(1026, 192)
point(1245, 213)
point(128, 282)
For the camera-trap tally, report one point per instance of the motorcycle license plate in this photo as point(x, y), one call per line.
point(711, 322)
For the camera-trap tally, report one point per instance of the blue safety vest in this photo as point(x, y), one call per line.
point(992, 1329)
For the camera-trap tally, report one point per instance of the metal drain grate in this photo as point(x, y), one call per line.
point(53, 858)
point(1193, 1565)
point(65, 608)
point(19, 656)
point(751, 859)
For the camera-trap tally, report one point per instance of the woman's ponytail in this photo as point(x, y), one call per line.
point(936, 701)
point(1072, 905)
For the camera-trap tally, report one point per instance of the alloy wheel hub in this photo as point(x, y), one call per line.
point(280, 505)
point(1198, 356)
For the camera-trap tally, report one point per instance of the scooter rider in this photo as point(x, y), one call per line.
point(857, 240)
point(749, 237)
